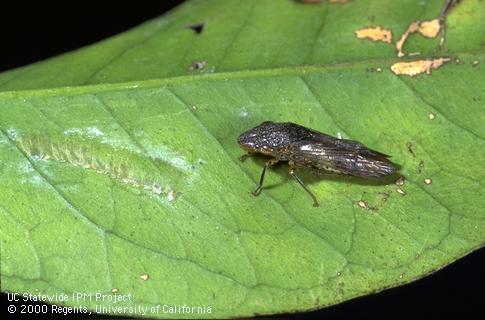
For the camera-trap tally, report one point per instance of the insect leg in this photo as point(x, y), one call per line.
point(244, 157)
point(293, 174)
point(261, 180)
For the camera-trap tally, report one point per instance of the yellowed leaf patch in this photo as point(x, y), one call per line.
point(429, 29)
point(412, 68)
point(375, 34)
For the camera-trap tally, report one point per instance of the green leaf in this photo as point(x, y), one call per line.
point(119, 162)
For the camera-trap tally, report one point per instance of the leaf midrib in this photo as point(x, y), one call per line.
point(238, 74)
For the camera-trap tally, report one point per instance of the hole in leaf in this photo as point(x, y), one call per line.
point(197, 27)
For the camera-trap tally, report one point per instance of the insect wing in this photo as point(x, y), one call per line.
point(341, 144)
point(314, 155)
point(328, 156)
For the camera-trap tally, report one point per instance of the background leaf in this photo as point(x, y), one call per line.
point(118, 161)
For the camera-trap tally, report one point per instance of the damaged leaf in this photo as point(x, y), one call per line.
point(412, 68)
point(375, 34)
point(429, 29)
point(120, 170)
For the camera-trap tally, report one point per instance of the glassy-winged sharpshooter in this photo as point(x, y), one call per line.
point(309, 149)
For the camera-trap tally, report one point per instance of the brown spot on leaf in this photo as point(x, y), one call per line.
point(338, 1)
point(449, 4)
point(400, 181)
point(373, 201)
point(458, 61)
point(428, 181)
point(365, 205)
point(412, 68)
point(384, 197)
point(378, 69)
point(341, 287)
point(375, 34)
point(197, 65)
point(420, 166)
point(409, 146)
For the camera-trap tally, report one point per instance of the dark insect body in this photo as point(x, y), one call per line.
point(309, 149)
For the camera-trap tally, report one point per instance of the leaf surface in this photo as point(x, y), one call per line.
point(119, 162)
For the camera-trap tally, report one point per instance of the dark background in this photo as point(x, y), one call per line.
point(32, 33)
